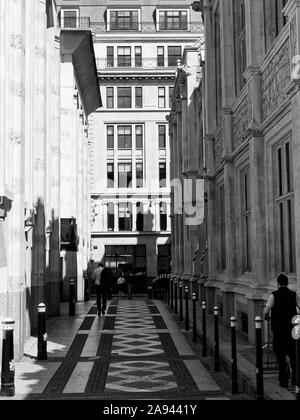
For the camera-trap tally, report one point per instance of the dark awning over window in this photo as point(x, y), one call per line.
point(77, 47)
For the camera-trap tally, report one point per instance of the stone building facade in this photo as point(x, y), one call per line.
point(43, 148)
point(251, 135)
point(137, 48)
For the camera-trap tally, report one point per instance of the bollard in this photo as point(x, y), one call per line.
point(42, 333)
point(72, 300)
point(259, 360)
point(234, 384)
point(180, 302)
point(187, 320)
point(172, 295)
point(8, 363)
point(296, 336)
point(168, 292)
point(204, 338)
point(176, 297)
point(194, 318)
point(86, 288)
point(149, 292)
point(217, 350)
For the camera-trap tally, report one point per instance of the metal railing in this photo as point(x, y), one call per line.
point(143, 64)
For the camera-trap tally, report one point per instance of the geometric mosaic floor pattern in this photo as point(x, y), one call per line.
point(133, 352)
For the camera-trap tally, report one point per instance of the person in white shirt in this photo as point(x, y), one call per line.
point(121, 286)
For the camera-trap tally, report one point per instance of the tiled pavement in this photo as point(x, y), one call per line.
point(137, 351)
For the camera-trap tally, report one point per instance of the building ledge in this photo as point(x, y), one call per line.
point(77, 47)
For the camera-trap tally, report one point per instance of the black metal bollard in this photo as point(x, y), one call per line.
point(72, 300)
point(259, 360)
point(296, 336)
point(8, 363)
point(168, 292)
point(149, 292)
point(42, 333)
point(172, 295)
point(176, 297)
point(86, 288)
point(217, 346)
point(180, 301)
point(194, 318)
point(234, 379)
point(187, 319)
point(204, 337)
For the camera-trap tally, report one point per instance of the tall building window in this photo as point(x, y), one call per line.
point(139, 97)
point(124, 56)
point(284, 203)
point(125, 217)
point(110, 217)
point(124, 20)
point(110, 137)
point(139, 175)
point(110, 97)
point(138, 56)
point(125, 137)
point(160, 56)
point(246, 221)
point(218, 69)
point(110, 56)
point(162, 136)
point(174, 54)
point(163, 216)
point(274, 20)
point(162, 174)
point(161, 97)
point(171, 92)
point(124, 97)
point(110, 175)
point(139, 217)
point(139, 137)
point(222, 226)
point(173, 20)
point(69, 18)
point(240, 43)
point(125, 175)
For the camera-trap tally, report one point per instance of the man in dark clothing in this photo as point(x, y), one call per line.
point(283, 307)
point(101, 278)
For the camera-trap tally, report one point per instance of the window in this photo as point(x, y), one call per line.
point(110, 175)
point(173, 20)
point(246, 221)
point(161, 97)
point(222, 226)
point(110, 56)
point(110, 137)
point(139, 97)
point(69, 18)
point(124, 20)
point(124, 137)
point(218, 75)
point(160, 56)
point(139, 175)
point(124, 56)
point(125, 217)
point(174, 54)
point(124, 97)
point(138, 56)
point(125, 175)
point(139, 217)
point(239, 44)
point(284, 204)
point(110, 217)
point(274, 20)
point(163, 216)
point(110, 97)
point(162, 174)
point(139, 137)
point(171, 92)
point(162, 136)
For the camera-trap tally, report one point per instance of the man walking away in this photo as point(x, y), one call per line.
point(97, 276)
point(283, 307)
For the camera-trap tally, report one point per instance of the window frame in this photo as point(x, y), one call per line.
point(140, 180)
point(162, 180)
point(128, 176)
point(138, 97)
point(162, 145)
point(177, 10)
point(112, 184)
point(124, 60)
point(110, 137)
point(119, 29)
point(127, 208)
point(110, 58)
point(124, 98)
point(62, 18)
point(111, 97)
point(125, 147)
point(171, 57)
point(162, 97)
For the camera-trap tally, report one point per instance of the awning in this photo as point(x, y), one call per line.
point(77, 47)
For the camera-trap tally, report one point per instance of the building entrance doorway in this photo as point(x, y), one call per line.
point(131, 260)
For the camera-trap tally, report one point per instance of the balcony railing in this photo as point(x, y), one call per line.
point(144, 64)
point(144, 27)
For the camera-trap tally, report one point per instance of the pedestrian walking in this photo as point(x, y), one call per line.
point(121, 286)
point(283, 305)
point(101, 278)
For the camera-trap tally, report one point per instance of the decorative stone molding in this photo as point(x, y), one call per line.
point(17, 42)
point(16, 137)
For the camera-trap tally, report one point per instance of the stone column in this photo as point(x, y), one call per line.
point(179, 176)
point(16, 127)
